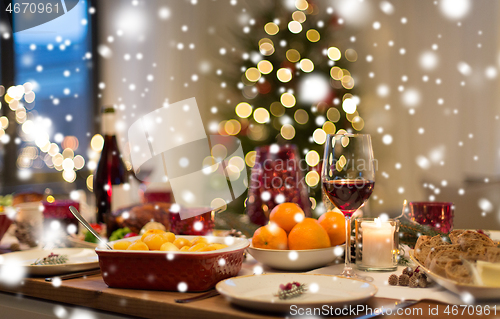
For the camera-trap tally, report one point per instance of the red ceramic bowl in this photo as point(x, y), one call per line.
point(5, 223)
point(174, 271)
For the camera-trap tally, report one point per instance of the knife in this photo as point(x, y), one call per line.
point(398, 305)
point(75, 275)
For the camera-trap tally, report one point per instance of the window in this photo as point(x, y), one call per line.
point(56, 59)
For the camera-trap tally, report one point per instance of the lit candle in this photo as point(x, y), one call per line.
point(378, 243)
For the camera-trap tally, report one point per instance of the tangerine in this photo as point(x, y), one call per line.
point(270, 236)
point(334, 224)
point(308, 234)
point(287, 215)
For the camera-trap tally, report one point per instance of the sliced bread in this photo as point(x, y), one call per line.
point(456, 270)
point(435, 250)
point(440, 260)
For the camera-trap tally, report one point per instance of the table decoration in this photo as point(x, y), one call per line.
point(57, 217)
point(291, 290)
point(276, 177)
point(29, 223)
point(6, 218)
point(51, 259)
point(377, 244)
point(438, 215)
point(201, 224)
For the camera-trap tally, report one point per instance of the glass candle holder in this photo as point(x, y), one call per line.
point(435, 214)
point(377, 244)
point(276, 177)
point(198, 225)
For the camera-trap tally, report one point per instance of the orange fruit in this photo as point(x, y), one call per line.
point(334, 224)
point(138, 245)
point(270, 236)
point(287, 215)
point(184, 248)
point(308, 234)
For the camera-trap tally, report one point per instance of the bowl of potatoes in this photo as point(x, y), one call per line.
point(160, 260)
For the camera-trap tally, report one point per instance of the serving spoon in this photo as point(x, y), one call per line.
point(85, 224)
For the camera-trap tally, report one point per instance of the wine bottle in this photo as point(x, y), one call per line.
point(112, 180)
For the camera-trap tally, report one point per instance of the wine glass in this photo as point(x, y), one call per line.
point(348, 178)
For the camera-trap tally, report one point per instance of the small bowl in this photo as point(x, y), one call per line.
point(173, 271)
point(295, 259)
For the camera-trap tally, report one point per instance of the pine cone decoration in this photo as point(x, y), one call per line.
point(408, 271)
point(404, 280)
point(393, 280)
point(422, 282)
point(414, 281)
point(236, 233)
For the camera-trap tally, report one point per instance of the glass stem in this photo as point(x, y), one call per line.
point(347, 266)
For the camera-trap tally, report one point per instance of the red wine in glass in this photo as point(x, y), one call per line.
point(348, 178)
point(348, 195)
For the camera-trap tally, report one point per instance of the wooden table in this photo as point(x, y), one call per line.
point(93, 293)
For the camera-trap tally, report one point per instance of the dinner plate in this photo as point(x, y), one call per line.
point(464, 290)
point(296, 259)
point(79, 259)
point(258, 291)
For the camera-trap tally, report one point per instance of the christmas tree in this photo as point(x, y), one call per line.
point(293, 83)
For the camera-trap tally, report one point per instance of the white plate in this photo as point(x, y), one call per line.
point(257, 291)
point(295, 259)
point(79, 259)
point(478, 292)
point(78, 243)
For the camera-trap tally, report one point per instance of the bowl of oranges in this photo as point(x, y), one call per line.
point(160, 260)
point(293, 242)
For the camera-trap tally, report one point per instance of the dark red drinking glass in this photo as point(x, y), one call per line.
point(199, 225)
point(275, 178)
point(438, 215)
point(59, 211)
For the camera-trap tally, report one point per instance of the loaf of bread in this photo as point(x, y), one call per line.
point(469, 235)
point(454, 235)
point(437, 249)
point(424, 246)
point(493, 254)
point(439, 261)
point(456, 270)
point(445, 259)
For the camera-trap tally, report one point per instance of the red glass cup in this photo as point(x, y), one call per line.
point(438, 215)
point(199, 225)
point(59, 211)
point(276, 177)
